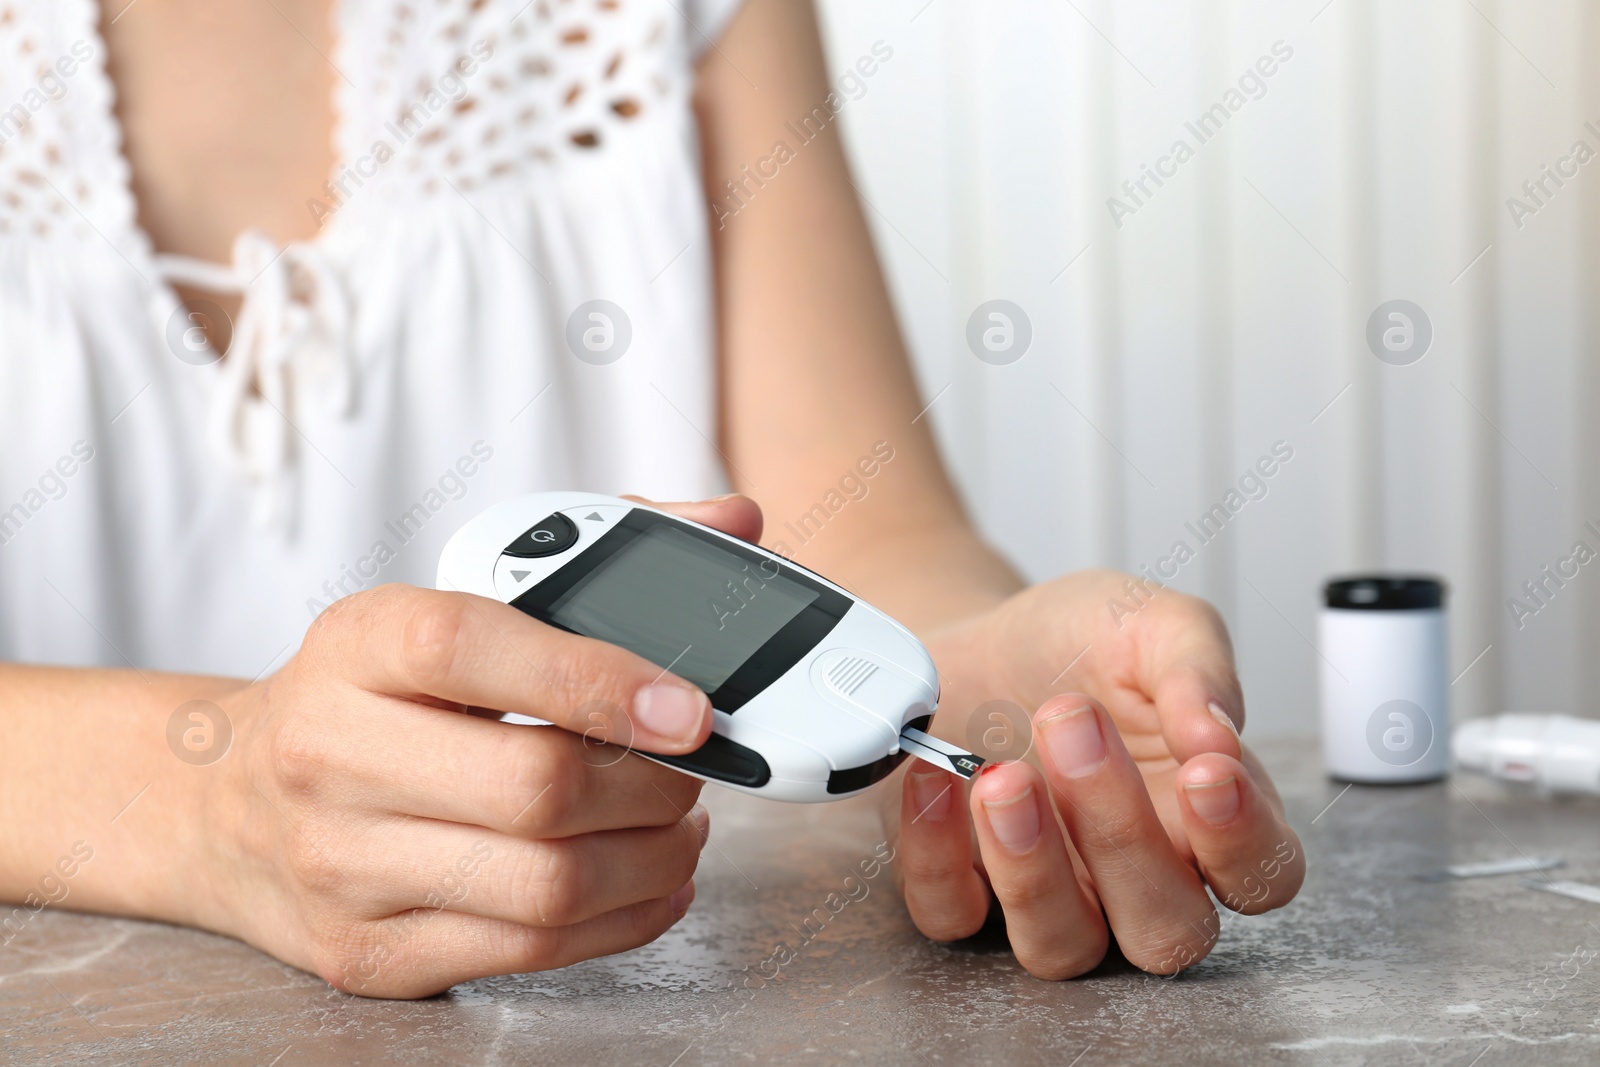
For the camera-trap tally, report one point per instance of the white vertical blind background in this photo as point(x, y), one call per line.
point(1229, 311)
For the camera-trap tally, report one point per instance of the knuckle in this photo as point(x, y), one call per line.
point(589, 692)
point(527, 948)
point(1030, 890)
point(938, 924)
point(1202, 611)
point(1192, 614)
point(1058, 964)
point(1102, 576)
point(558, 893)
point(645, 922)
point(1112, 834)
point(558, 798)
point(298, 756)
point(348, 955)
point(310, 867)
point(925, 867)
point(328, 622)
point(681, 791)
point(322, 635)
point(684, 859)
point(1171, 946)
point(431, 639)
point(358, 958)
point(540, 795)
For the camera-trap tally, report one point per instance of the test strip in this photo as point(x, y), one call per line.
point(1518, 865)
point(1576, 890)
point(941, 754)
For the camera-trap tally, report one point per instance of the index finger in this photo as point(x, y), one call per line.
point(469, 650)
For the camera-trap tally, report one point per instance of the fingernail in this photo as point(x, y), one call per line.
point(1215, 802)
point(931, 795)
point(720, 499)
point(1222, 716)
point(672, 712)
point(702, 822)
point(680, 900)
point(1073, 737)
point(1015, 820)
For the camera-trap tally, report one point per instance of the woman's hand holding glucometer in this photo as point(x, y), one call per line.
point(365, 818)
point(1156, 797)
point(365, 827)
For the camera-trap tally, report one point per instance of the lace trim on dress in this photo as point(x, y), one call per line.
point(62, 165)
point(433, 99)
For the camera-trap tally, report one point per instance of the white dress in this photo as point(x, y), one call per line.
point(503, 166)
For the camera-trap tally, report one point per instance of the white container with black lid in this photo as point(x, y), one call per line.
point(1385, 679)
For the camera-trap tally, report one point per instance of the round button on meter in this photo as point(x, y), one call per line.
point(554, 533)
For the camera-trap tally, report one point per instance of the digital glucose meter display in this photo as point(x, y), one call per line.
point(676, 599)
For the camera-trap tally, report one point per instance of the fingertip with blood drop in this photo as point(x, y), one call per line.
point(1007, 795)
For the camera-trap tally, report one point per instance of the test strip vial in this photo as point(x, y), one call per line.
point(1385, 679)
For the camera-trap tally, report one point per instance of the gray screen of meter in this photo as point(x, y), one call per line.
point(683, 602)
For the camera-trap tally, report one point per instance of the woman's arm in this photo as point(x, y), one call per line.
point(83, 759)
point(1135, 728)
point(814, 371)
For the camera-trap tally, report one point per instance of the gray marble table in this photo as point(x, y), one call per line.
point(1370, 965)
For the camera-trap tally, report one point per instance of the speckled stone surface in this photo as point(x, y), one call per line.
point(1368, 966)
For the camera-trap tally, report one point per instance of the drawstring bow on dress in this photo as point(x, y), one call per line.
point(289, 345)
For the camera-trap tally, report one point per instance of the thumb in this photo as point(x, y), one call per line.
point(734, 514)
point(1187, 669)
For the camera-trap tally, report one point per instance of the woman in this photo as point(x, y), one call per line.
point(288, 291)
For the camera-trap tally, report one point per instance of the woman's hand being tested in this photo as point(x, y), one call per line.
point(1135, 797)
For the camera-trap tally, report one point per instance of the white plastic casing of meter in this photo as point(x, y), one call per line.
point(825, 728)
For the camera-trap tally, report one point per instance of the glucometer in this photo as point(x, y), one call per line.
point(815, 693)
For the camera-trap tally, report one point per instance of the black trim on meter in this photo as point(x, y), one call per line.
point(724, 760)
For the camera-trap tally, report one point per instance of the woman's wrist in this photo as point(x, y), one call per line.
point(213, 894)
point(89, 762)
point(959, 650)
point(930, 579)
